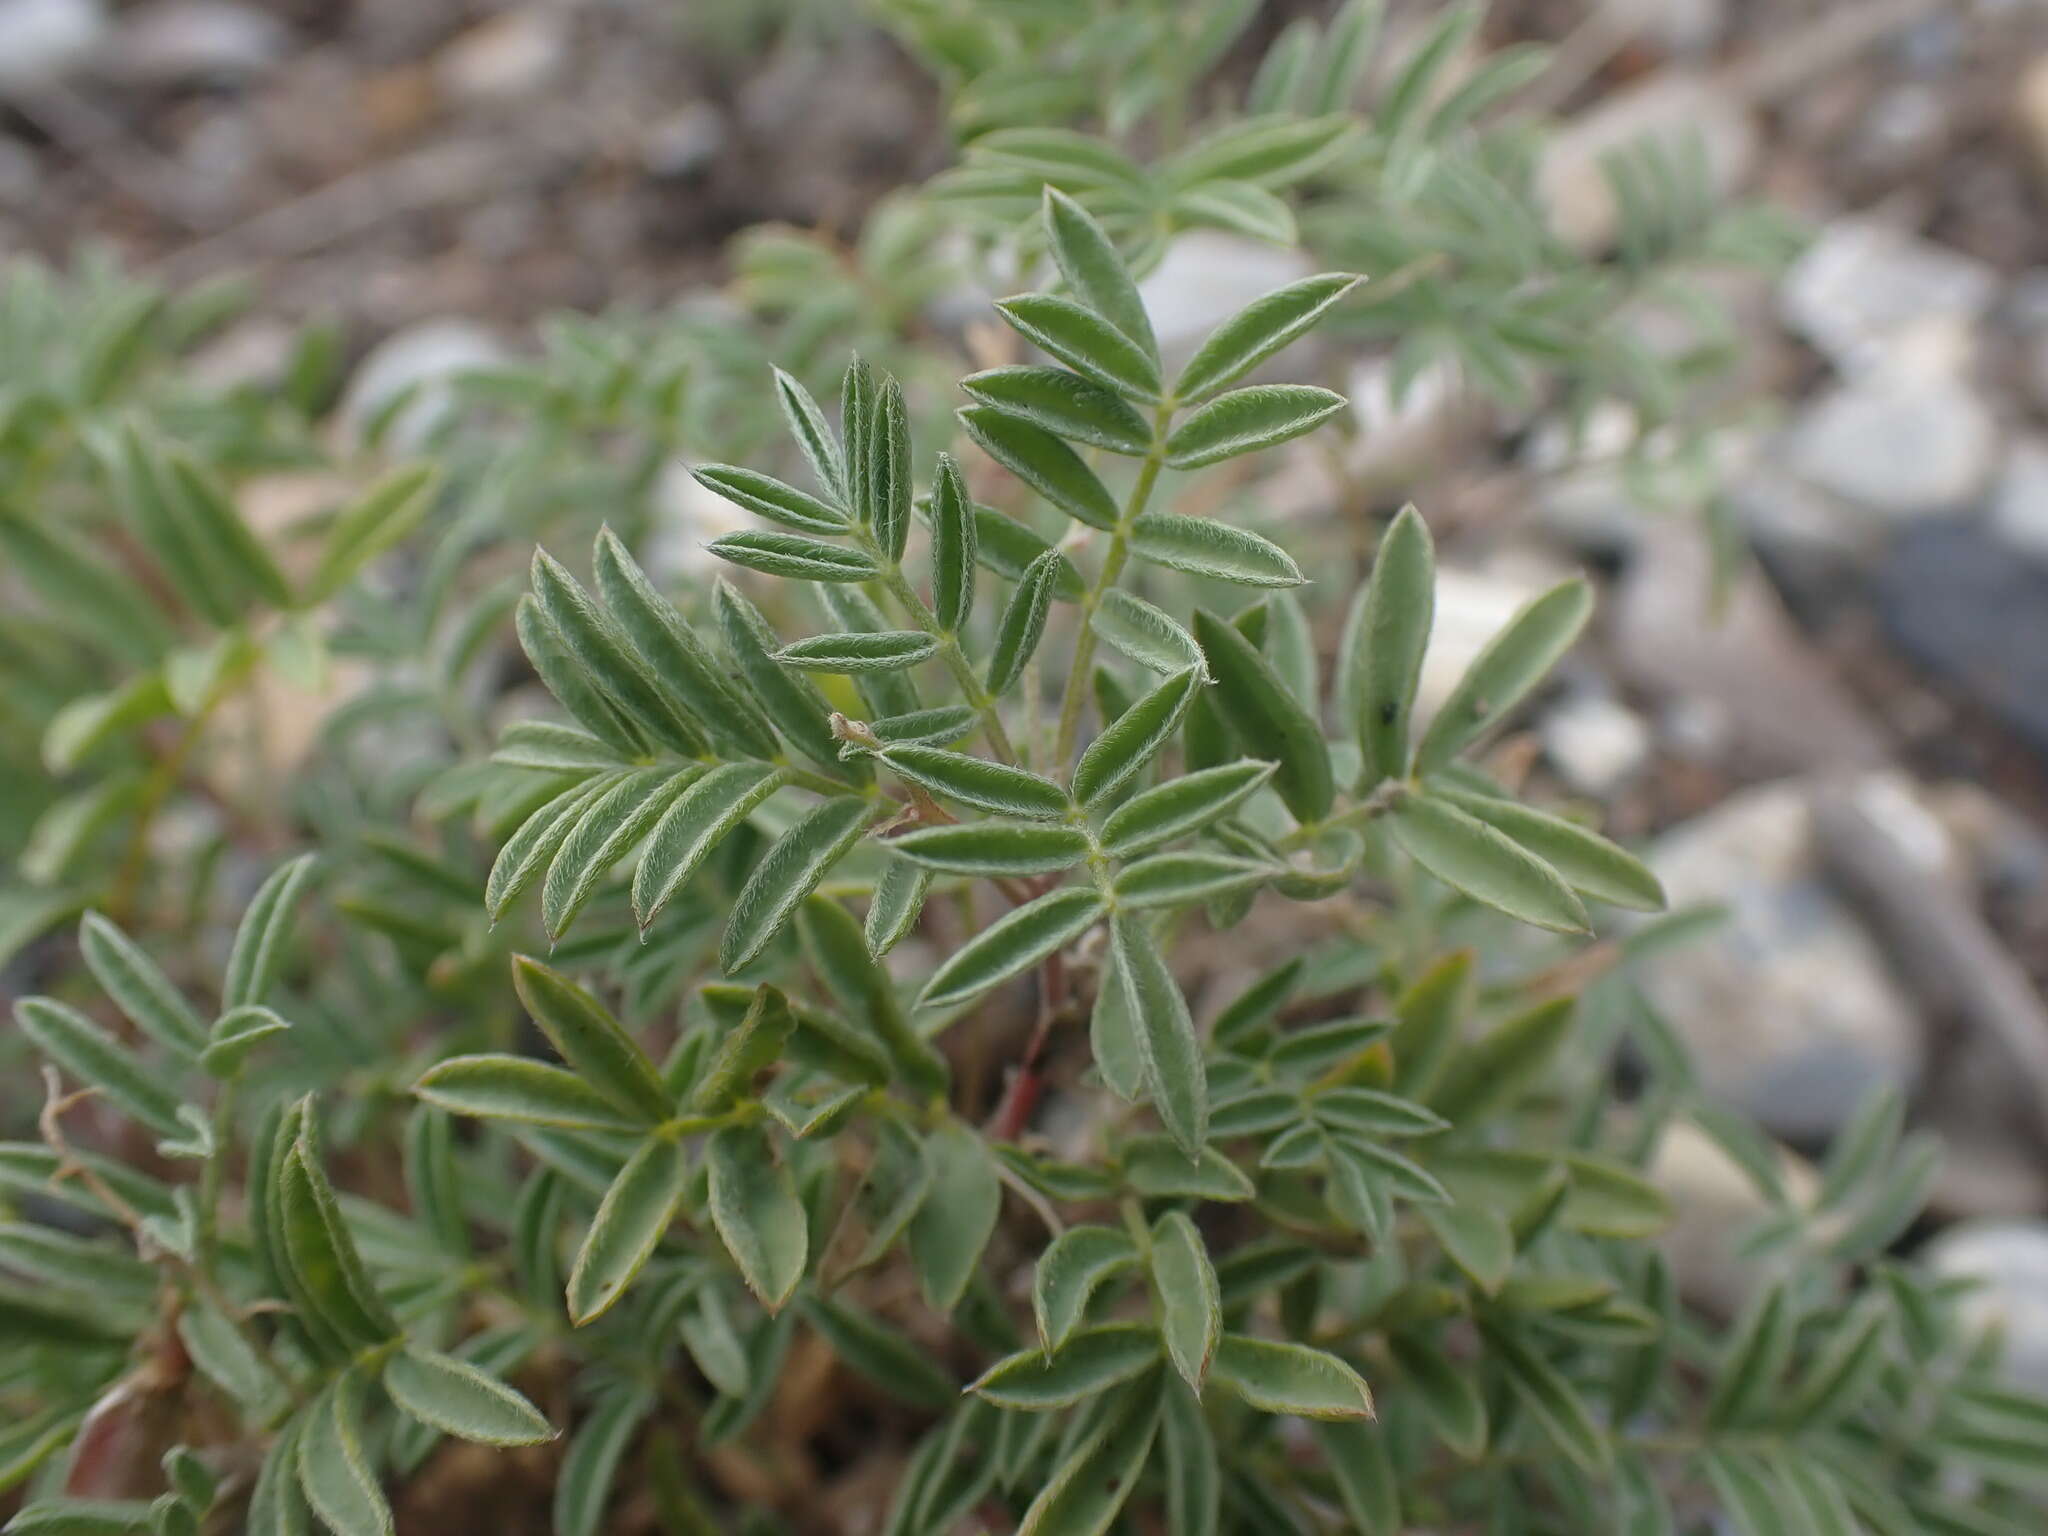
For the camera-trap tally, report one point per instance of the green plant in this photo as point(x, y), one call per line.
point(1383, 1190)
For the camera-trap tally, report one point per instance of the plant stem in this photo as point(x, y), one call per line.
point(956, 661)
point(1113, 561)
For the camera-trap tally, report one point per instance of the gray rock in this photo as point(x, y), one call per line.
point(41, 41)
point(1595, 743)
point(422, 358)
point(1205, 277)
point(198, 42)
point(2009, 1260)
point(1787, 1006)
point(2019, 502)
point(1860, 288)
point(1958, 604)
point(1908, 444)
point(684, 142)
point(1675, 108)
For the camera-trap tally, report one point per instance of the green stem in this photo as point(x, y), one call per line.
point(1113, 561)
point(899, 587)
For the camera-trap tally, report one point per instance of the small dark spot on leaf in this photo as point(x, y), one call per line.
point(1389, 712)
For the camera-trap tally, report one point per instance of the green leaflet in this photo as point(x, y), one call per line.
point(1514, 661)
point(992, 848)
point(788, 872)
point(754, 1206)
point(1748, 1379)
point(879, 652)
point(813, 434)
point(1085, 342)
point(856, 410)
point(1006, 546)
point(1257, 331)
point(1093, 269)
point(1131, 741)
point(458, 1399)
point(1165, 1032)
point(1157, 1166)
point(600, 648)
point(886, 487)
point(881, 1354)
point(334, 1469)
point(1368, 1112)
point(584, 1487)
point(1290, 1378)
point(636, 1210)
point(954, 529)
point(956, 1217)
point(1272, 150)
point(694, 824)
point(220, 528)
point(1088, 1363)
point(1204, 547)
point(1587, 862)
point(374, 523)
point(1190, 1307)
point(898, 900)
point(1247, 420)
point(1113, 1037)
point(1180, 807)
point(516, 1088)
point(1182, 879)
point(1043, 462)
point(1470, 856)
point(606, 830)
point(1358, 1457)
point(1492, 1072)
point(940, 726)
point(91, 721)
point(1388, 636)
point(1266, 718)
point(253, 962)
point(96, 1060)
point(745, 1049)
point(1023, 622)
point(790, 700)
point(1092, 1485)
point(320, 1253)
point(839, 952)
point(770, 498)
point(714, 1344)
point(590, 1040)
point(1064, 404)
point(1070, 1271)
point(567, 680)
point(677, 657)
point(1150, 637)
point(236, 1033)
point(548, 746)
point(1429, 1018)
point(1451, 1399)
point(795, 556)
point(530, 848)
point(976, 781)
point(1550, 1400)
point(852, 610)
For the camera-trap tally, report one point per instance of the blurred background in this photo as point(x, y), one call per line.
point(1817, 686)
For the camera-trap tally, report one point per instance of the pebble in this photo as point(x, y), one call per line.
point(2009, 1260)
point(2030, 107)
point(2019, 503)
point(1786, 1005)
point(1472, 607)
point(1397, 438)
point(41, 41)
point(1595, 743)
point(1865, 284)
point(506, 58)
point(422, 358)
point(1682, 27)
point(1906, 443)
point(1958, 604)
point(199, 42)
point(687, 516)
point(1205, 277)
point(1676, 108)
point(1714, 1203)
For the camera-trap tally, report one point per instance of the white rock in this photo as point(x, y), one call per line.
point(43, 40)
point(2019, 504)
point(422, 358)
point(1398, 437)
point(1906, 442)
point(1676, 108)
point(1864, 285)
point(2010, 1262)
point(1205, 277)
point(506, 58)
point(687, 516)
point(1786, 1005)
point(1471, 608)
point(203, 41)
point(1596, 744)
point(1713, 1204)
